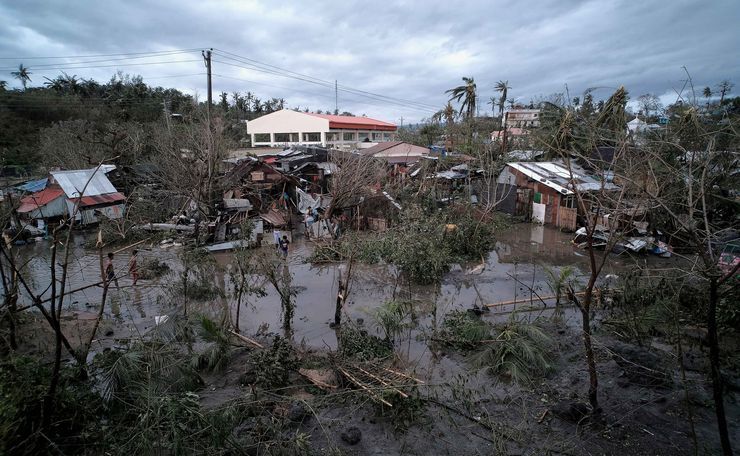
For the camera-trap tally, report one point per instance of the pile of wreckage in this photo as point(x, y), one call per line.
point(637, 241)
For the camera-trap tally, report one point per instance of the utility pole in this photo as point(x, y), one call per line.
point(336, 98)
point(401, 121)
point(207, 59)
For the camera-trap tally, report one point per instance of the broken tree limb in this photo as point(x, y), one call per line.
point(165, 227)
point(247, 339)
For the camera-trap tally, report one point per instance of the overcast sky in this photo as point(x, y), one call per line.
point(410, 51)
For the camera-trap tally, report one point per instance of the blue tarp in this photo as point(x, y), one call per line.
point(33, 186)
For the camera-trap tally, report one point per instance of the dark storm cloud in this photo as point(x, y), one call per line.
point(411, 49)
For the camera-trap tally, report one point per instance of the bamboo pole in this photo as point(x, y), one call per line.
point(519, 301)
point(403, 375)
point(383, 382)
point(132, 245)
point(362, 385)
point(247, 339)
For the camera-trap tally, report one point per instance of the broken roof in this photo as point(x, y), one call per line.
point(558, 177)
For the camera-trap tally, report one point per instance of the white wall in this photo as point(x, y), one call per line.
point(286, 121)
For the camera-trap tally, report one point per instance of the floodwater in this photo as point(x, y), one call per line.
point(515, 269)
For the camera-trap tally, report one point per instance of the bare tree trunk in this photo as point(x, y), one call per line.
point(593, 385)
point(714, 362)
point(82, 355)
point(51, 392)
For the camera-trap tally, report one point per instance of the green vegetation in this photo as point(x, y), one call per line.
point(463, 330)
point(520, 352)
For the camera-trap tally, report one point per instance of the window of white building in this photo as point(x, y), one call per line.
point(262, 137)
point(311, 137)
point(348, 136)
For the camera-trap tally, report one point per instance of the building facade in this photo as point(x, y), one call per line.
point(287, 127)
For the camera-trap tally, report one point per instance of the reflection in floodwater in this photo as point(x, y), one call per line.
point(515, 269)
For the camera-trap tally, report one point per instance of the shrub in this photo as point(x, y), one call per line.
point(519, 352)
point(464, 330)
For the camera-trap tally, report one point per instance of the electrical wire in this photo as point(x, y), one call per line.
point(153, 53)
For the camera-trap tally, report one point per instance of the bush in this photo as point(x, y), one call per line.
point(359, 344)
point(273, 365)
point(24, 382)
point(520, 352)
point(152, 268)
point(464, 330)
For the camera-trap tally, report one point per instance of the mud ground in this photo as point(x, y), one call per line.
point(491, 415)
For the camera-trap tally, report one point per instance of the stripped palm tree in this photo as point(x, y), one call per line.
point(23, 74)
point(466, 95)
point(502, 87)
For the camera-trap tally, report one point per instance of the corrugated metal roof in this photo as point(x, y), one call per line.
point(86, 201)
point(42, 198)
point(93, 181)
point(558, 177)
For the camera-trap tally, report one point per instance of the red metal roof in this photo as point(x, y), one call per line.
point(100, 199)
point(355, 123)
point(38, 199)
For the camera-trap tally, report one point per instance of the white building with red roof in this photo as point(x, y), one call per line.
point(287, 127)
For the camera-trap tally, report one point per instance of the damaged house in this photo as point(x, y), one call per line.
point(87, 195)
point(544, 191)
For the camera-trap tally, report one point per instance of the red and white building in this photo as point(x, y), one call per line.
point(287, 127)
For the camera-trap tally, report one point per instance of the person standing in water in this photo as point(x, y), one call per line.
point(284, 242)
point(110, 273)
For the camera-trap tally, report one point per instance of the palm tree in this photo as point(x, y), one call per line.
point(3, 85)
point(466, 93)
point(502, 87)
point(493, 102)
point(449, 113)
point(23, 74)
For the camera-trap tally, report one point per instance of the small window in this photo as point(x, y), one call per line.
point(386, 136)
point(331, 137)
point(282, 137)
point(312, 137)
point(363, 137)
point(377, 136)
point(349, 136)
point(261, 137)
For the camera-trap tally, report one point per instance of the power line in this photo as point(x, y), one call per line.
point(42, 65)
point(331, 86)
point(272, 69)
point(104, 66)
point(98, 55)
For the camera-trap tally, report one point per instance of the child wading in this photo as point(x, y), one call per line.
point(132, 267)
point(284, 242)
point(110, 274)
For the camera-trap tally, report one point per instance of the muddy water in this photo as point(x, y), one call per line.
point(516, 269)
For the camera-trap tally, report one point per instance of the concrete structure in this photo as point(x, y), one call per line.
point(287, 127)
point(517, 122)
point(396, 152)
point(522, 118)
